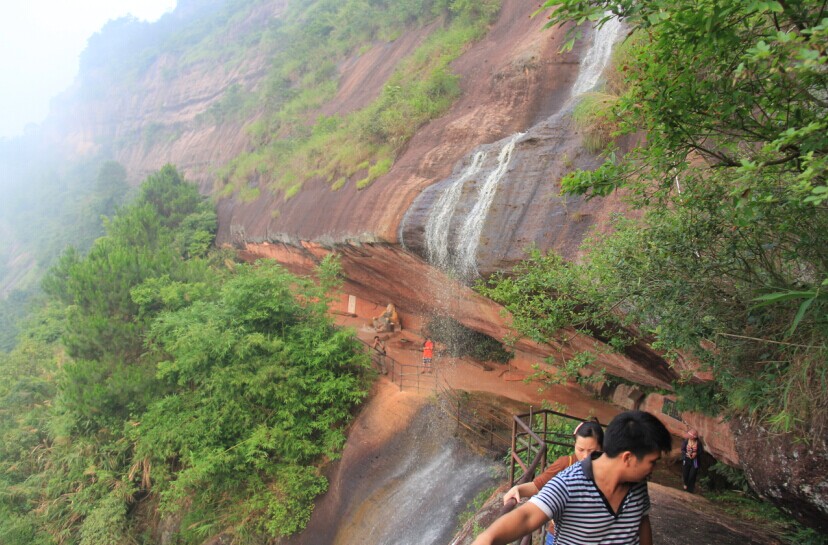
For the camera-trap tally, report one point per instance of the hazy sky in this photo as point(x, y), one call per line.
point(40, 41)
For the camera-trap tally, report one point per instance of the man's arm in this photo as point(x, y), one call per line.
point(645, 532)
point(525, 519)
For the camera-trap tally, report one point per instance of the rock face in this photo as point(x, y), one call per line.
point(404, 476)
point(385, 272)
point(520, 175)
point(510, 80)
point(791, 474)
point(158, 117)
point(469, 192)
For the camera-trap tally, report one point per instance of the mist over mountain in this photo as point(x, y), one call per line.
point(461, 162)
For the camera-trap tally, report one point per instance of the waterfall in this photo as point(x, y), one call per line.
point(411, 491)
point(597, 57)
point(466, 263)
point(464, 258)
point(437, 225)
point(423, 499)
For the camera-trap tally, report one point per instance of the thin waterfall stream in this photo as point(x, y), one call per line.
point(597, 57)
point(473, 227)
point(456, 249)
point(437, 225)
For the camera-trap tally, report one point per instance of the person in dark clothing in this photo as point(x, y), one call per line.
point(691, 450)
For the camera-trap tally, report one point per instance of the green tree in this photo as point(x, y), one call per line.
point(261, 386)
point(111, 188)
point(212, 389)
point(730, 259)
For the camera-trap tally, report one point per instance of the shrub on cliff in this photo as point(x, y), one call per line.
point(181, 382)
point(460, 341)
point(729, 260)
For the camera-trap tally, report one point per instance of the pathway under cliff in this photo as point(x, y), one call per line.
point(406, 477)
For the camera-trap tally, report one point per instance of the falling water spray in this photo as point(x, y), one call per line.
point(437, 225)
point(470, 234)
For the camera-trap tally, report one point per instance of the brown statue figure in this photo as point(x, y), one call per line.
point(388, 321)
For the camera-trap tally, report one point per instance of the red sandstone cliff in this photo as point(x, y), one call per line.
point(513, 81)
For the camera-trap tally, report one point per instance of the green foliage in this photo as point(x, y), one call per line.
point(551, 299)
point(235, 105)
point(729, 259)
point(705, 398)
point(579, 368)
point(289, 510)
point(460, 341)
point(110, 188)
point(799, 535)
point(13, 310)
point(169, 220)
point(727, 477)
point(106, 523)
point(25, 392)
point(559, 429)
point(210, 393)
point(292, 150)
point(262, 383)
point(474, 506)
point(732, 495)
point(593, 114)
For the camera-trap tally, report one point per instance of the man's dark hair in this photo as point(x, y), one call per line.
point(638, 432)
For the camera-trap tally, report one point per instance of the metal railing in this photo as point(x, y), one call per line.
point(536, 423)
point(524, 440)
point(528, 430)
point(406, 375)
point(471, 417)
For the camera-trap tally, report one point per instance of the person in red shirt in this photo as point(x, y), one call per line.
point(428, 353)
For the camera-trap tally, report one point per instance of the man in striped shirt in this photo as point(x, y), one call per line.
point(603, 499)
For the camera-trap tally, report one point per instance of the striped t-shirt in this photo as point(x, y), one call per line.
point(583, 516)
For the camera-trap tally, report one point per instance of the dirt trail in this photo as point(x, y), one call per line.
point(678, 518)
point(504, 380)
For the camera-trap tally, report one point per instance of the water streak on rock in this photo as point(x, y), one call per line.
point(437, 225)
point(473, 226)
point(592, 66)
point(596, 57)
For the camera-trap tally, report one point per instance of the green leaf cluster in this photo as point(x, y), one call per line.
point(293, 143)
point(260, 382)
point(728, 261)
point(161, 379)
